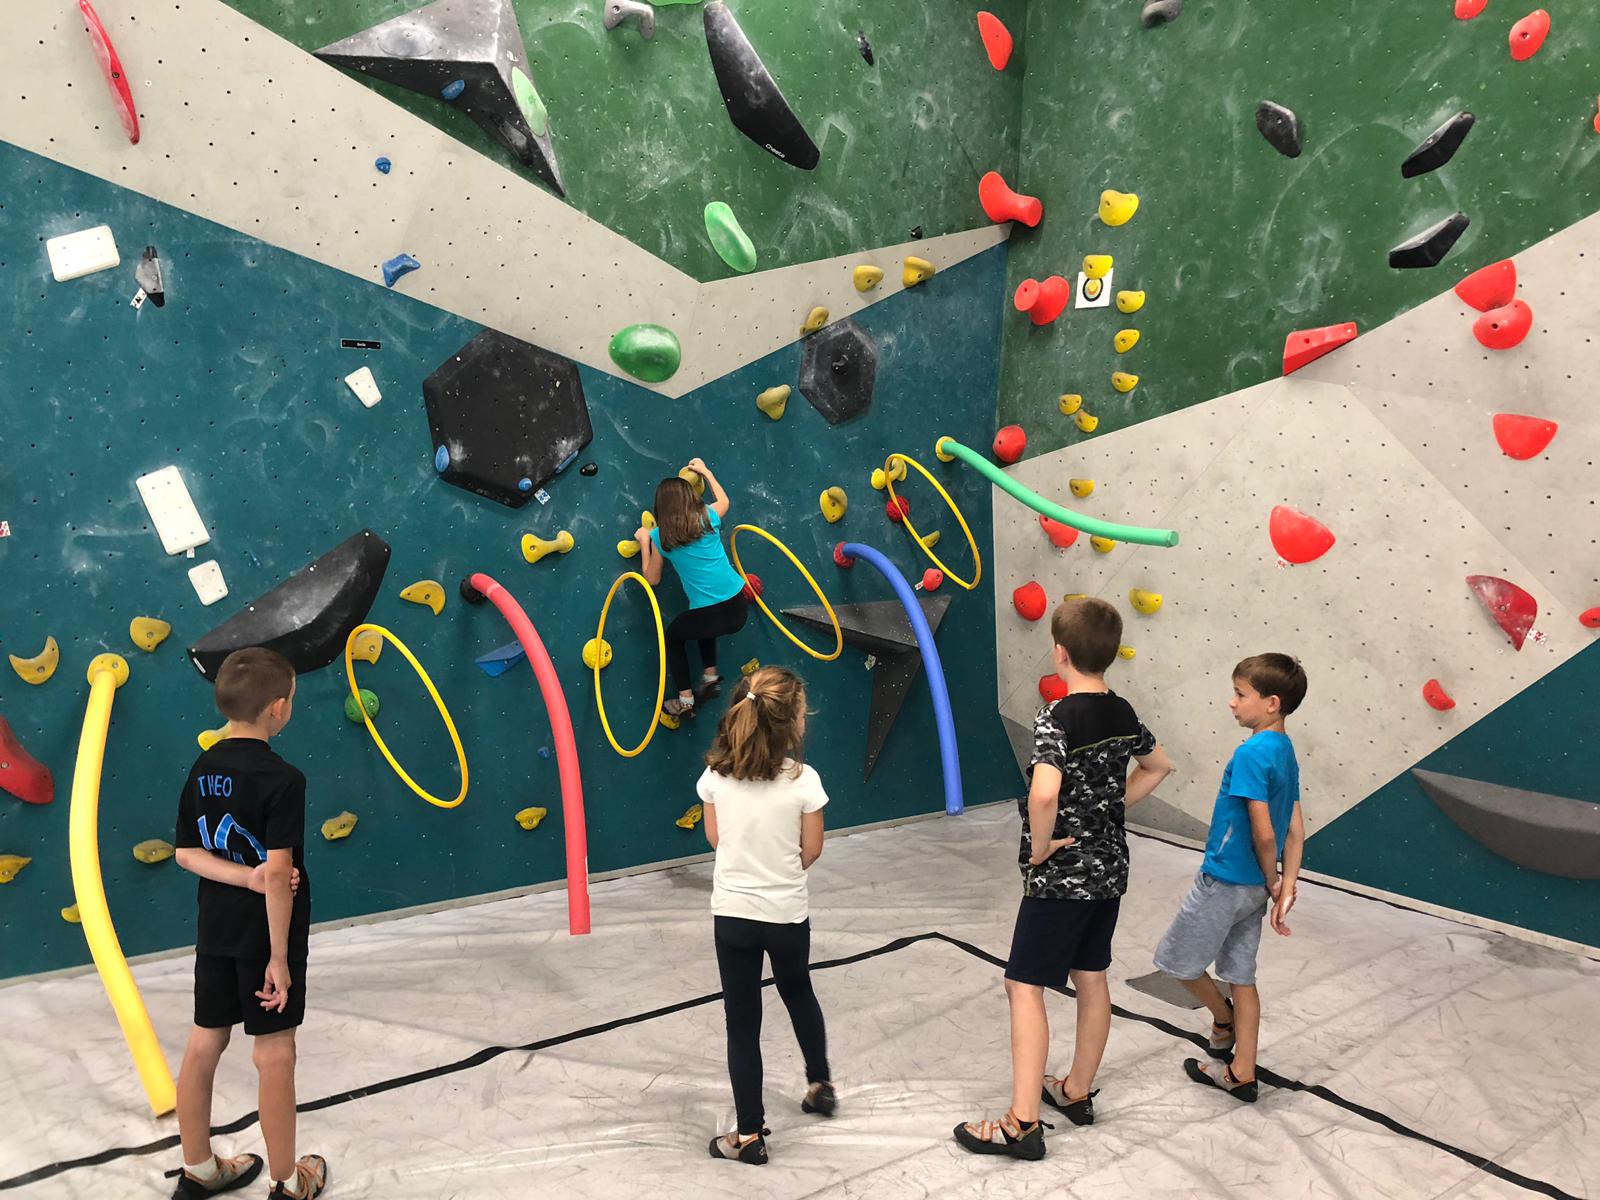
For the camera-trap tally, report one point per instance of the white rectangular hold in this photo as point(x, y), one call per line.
point(173, 512)
point(364, 386)
point(82, 253)
point(208, 582)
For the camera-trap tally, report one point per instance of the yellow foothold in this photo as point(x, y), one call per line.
point(1076, 596)
point(210, 737)
point(1086, 422)
point(1143, 601)
point(1130, 302)
point(1097, 266)
point(534, 548)
point(368, 647)
point(668, 721)
point(597, 648)
point(880, 479)
point(692, 816)
point(1102, 544)
point(11, 865)
point(148, 632)
point(692, 478)
point(335, 828)
point(751, 667)
point(628, 548)
point(425, 591)
point(1124, 382)
point(153, 851)
point(529, 818)
point(1126, 340)
point(774, 400)
point(868, 278)
point(917, 270)
point(41, 666)
point(940, 453)
point(647, 519)
point(929, 540)
point(115, 664)
point(834, 503)
point(1117, 208)
point(1126, 652)
point(69, 914)
point(815, 321)
point(1070, 404)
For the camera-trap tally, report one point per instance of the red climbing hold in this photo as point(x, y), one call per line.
point(897, 509)
point(1031, 601)
point(752, 589)
point(1000, 203)
point(1043, 302)
point(1523, 437)
point(1491, 287)
point(840, 558)
point(1597, 121)
point(1053, 688)
point(932, 579)
point(1433, 692)
point(1307, 345)
point(21, 774)
point(1061, 536)
point(1467, 9)
point(1591, 619)
point(996, 40)
point(1009, 444)
point(111, 66)
point(1528, 34)
point(1504, 328)
point(1511, 607)
point(1296, 537)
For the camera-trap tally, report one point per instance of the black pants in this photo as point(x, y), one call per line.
point(740, 944)
point(703, 625)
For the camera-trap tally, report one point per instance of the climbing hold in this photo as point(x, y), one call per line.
point(1296, 537)
point(1307, 345)
point(1504, 328)
point(1030, 601)
point(210, 737)
point(693, 479)
point(941, 454)
point(1433, 692)
point(1513, 609)
point(384, 165)
point(1280, 127)
point(335, 828)
point(774, 401)
point(11, 865)
point(916, 270)
point(1467, 9)
point(1102, 545)
point(1491, 287)
point(897, 509)
point(1523, 437)
point(529, 818)
point(111, 68)
point(153, 851)
point(1086, 422)
point(1043, 302)
point(1097, 266)
point(1127, 652)
point(1070, 404)
point(692, 816)
point(838, 369)
point(368, 646)
point(1001, 203)
point(425, 591)
point(754, 101)
point(648, 352)
point(1439, 147)
point(597, 648)
point(1160, 12)
point(750, 668)
point(882, 479)
point(41, 666)
point(1528, 34)
point(1597, 121)
point(369, 702)
point(69, 914)
point(147, 274)
point(21, 774)
point(618, 11)
point(817, 318)
point(1117, 208)
point(929, 540)
point(840, 559)
point(589, 470)
point(864, 46)
point(441, 459)
point(1081, 487)
point(1010, 443)
point(453, 89)
point(753, 588)
point(1430, 246)
point(394, 268)
point(932, 579)
point(996, 40)
point(148, 632)
point(728, 238)
point(834, 503)
point(1590, 619)
point(668, 721)
point(1145, 602)
point(867, 278)
point(534, 547)
point(1124, 382)
point(1053, 688)
point(1130, 302)
point(1061, 536)
point(1125, 340)
point(628, 548)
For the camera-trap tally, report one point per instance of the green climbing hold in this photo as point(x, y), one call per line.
point(369, 701)
point(731, 242)
point(647, 352)
point(533, 109)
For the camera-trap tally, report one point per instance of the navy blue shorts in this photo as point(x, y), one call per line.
point(1056, 937)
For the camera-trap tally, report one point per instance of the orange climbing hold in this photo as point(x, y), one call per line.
point(1009, 444)
point(1060, 535)
point(1043, 301)
point(1528, 34)
point(996, 40)
point(1030, 601)
point(1504, 328)
point(1523, 437)
point(1307, 345)
point(1433, 692)
point(1491, 287)
point(1467, 9)
point(1000, 203)
point(1053, 688)
point(1513, 609)
point(1297, 537)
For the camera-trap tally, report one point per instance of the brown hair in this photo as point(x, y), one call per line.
point(1279, 675)
point(1090, 631)
point(251, 679)
point(764, 724)
point(681, 515)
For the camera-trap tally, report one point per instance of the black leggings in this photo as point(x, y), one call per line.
point(740, 944)
point(703, 625)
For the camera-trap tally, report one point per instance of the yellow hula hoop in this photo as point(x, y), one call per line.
point(977, 559)
point(661, 647)
point(438, 701)
point(838, 634)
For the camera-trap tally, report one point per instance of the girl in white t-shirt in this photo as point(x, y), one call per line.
point(763, 817)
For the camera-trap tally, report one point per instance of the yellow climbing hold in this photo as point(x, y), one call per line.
point(210, 737)
point(1117, 208)
point(917, 270)
point(148, 632)
point(929, 540)
point(597, 648)
point(1097, 266)
point(1126, 340)
point(1076, 596)
point(773, 401)
point(534, 547)
point(369, 645)
point(529, 818)
point(115, 663)
point(692, 478)
point(817, 318)
point(1086, 422)
point(69, 914)
point(1103, 544)
point(940, 453)
point(41, 666)
point(1145, 602)
point(647, 519)
point(1081, 487)
point(153, 851)
point(834, 503)
point(1070, 404)
point(628, 548)
point(668, 721)
point(895, 474)
point(868, 278)
point(1130, 302)
point(1124, 382)
point(425, 591)
point(335, 828)
point(11, 865)
point(751, 667)
point(1126, 652)
point(692, 816)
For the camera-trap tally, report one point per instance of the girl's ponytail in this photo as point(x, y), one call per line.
point(764, 725)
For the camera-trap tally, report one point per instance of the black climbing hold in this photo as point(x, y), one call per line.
point(505, 411)
point(308, 616)
point(589, 469)
point(469, 593)
point(359, 344)
point(755, 104)
point(864, 46)
point(1428, 248)
point(1280, 127)
point(838, 367)
point(916, 234)
point(1159, 12)
point(148, 276)
point(1439, 147)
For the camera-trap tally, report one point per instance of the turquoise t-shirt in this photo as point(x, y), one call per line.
point(1262, 769)
point(702, 565)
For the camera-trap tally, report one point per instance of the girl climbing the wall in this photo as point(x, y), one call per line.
point(763, 817)
point(688, 535)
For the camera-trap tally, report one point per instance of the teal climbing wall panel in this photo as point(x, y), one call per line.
point(238, 381)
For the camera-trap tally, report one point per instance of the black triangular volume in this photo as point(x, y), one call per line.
point(755, 104)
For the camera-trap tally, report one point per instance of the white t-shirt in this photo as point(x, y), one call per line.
point(758, 874)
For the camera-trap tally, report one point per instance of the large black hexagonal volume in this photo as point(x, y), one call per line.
point(838, 366)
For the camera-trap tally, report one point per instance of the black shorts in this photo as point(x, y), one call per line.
point(1054, 937)
point(225, 993)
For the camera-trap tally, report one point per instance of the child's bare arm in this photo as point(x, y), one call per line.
point(708, 818)
point(720, 502)
point(1043, 798)
point(649, 556)
point(810, 838)
point(1294, 848)
point(1265, 842)
point(1146, 776)
point(220, 870)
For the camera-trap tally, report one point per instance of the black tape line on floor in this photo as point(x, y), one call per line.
point(489, 1053)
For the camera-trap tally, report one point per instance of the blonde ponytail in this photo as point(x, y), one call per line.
point(764, 725)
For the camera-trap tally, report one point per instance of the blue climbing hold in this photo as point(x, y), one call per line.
point(498, 661)
point(383, 165)
point(453, 89)
point(544, 751)
point(524, 484)
point(400, 264)
point(441, 459)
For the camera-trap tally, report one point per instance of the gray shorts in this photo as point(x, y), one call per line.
point(1218, 923)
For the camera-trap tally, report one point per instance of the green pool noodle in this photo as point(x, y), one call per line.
point(731, 242)
point(647, 352)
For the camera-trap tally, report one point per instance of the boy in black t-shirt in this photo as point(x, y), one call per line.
point(1074, 861)
point(241, 828)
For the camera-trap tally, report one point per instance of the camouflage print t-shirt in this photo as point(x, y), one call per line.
point(1089, 737)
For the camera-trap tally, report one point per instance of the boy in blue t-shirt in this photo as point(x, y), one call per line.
point(1256, 823)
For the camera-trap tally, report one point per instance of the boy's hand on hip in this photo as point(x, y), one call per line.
point(1052, 847)
point(258, 879)
point(274, 993)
